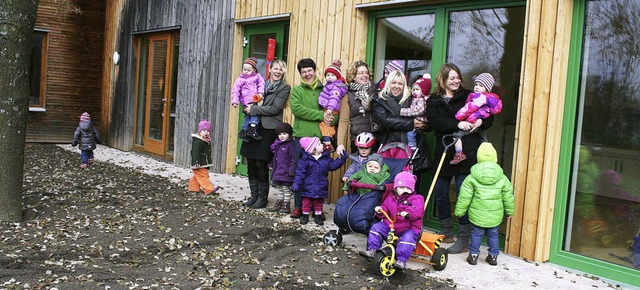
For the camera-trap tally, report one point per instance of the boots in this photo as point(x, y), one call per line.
point(462, 244)
point(276, 207)
point(285, 207)
point(263, 195)
point(253, 185)
point(243, 135)
point(253, 132)
point(447, 230)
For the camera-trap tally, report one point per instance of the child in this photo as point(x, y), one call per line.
point(480, 104)
point(487, 194)
point(364, 142)
point(392, 66)
point(248, 89)
point(329, 99)
point(312, 177)
point(409, 207)
point(283, 165)
point(201, 160)
point(87, 136)
point(374, 172)
point(421, 89)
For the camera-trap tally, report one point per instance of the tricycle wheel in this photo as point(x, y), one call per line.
point(439, 259)
point(332, 238)
point(384, 262)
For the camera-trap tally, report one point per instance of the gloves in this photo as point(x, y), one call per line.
point(378, 209)
point(380, 188)
point(404, 214)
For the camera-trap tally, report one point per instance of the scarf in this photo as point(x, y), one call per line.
point(272, 86)
point(362, 94)
point(313, 85)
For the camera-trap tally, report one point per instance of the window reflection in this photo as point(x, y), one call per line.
point(604, 202)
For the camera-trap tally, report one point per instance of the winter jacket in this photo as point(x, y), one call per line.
point(486, 194)
point(411, 203)
point(200, 151)
point(284, 161)
point(417, 109)
point(356, 164)
point(312, 176)
point(479, 106)
point(354, 118)
point(304, 106)
point(332, 94)
point(86, 135)
point(442, 119)
point(274, 99)
point(386, 113)
point(245, 87)
point(369, 178)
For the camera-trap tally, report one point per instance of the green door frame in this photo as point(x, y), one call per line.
point(439, 57)
point(256, 29)
point(556, 254)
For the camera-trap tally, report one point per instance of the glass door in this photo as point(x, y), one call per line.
point(259, 43)
point(156, 108)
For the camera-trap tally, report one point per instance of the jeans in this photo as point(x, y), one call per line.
point(443, 204)
point(476, 238)
point(85, 155)
point(411, 136)
point(248, 119)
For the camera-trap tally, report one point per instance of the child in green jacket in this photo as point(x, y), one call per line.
point(487, 194)
point(373, 172)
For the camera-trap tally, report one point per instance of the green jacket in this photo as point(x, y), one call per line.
point(369, 178)
point(487, 194)
point(308, 114)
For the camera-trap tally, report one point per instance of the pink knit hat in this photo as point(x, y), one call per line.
point(309, 143)
point(405, 178)
point(393, 65)
point(204, 125)
point(85, 117)
point(424, 83)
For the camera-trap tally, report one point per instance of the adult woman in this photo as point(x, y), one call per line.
point(355, 115)
point(386, 109)
point(258, 152)
point(448, 97)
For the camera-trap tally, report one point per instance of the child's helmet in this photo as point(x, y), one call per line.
point(365, 140)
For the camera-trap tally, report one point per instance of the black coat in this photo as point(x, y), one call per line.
point(393, 127)
point(443, 121)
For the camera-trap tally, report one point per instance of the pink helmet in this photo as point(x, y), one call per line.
point(365, 140)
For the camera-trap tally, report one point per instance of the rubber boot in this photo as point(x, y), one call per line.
point(462, 243)
point(447, 230)
point(263, 195)
point(253, 186)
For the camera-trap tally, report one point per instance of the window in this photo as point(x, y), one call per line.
point(38, 71)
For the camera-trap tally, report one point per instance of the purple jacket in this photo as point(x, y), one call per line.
point(479, 106)
point(412, 203)
point(332, 94)
point(284, 161)
point(312, 176)
point(245, 87)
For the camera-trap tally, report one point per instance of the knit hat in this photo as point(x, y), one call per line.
point(204, 125)
point(309, 143)
point(376, 158)
point(405, 178)
point(85, 117)
point(284, 127)
point(252, 61)
point(424, 83)
point(393, 65)
point(334, 68)
point(486, 80)
point(486, 152)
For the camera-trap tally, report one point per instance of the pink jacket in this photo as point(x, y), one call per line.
point(411, 203)
point(245, 87)
point(418, 109)
point(479, 106)
point(332, 94)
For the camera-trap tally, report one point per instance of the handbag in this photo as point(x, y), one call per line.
point(421, 159)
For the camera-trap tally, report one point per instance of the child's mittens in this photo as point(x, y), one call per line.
point(378, 209)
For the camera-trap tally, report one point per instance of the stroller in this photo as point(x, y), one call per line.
point(355, 212)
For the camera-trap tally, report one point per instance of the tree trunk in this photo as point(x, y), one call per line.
point(17, 19)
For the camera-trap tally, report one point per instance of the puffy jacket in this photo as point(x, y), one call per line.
point(332, 94)
point(245, 87)
point(479, 106)
point(200, 151)
point(393, 126)
point(304, 106)
point(362, 176)
point(312, 176)
point(411, 203)
point(284, 160)
point(356, 164)
point(486, 194)
point(86, 135)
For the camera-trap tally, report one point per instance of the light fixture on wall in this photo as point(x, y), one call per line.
point(116, 57)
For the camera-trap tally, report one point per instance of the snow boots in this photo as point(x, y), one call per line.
point(263, 196)
point(253, 186)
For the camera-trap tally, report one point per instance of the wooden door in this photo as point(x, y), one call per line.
point(157, 94)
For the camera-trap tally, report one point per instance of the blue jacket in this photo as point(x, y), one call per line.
point(312, 176)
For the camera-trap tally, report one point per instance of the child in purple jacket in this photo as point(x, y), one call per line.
point(481, 104)
point(409, 207)
point(312, 177)
point(283, 166)
point(247, 90)
point(329, 99)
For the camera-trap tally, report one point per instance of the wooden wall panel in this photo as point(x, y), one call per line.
point(74, 69)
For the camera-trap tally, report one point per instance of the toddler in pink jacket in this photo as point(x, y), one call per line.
point(247, 90)
point(332, 92)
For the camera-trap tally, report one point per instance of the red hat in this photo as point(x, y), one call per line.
point(85, 117)
point(424, 83)
point(252, 61)
point(309, 143)
point(334, 68)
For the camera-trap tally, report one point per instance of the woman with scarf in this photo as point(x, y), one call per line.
point(258, 152)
